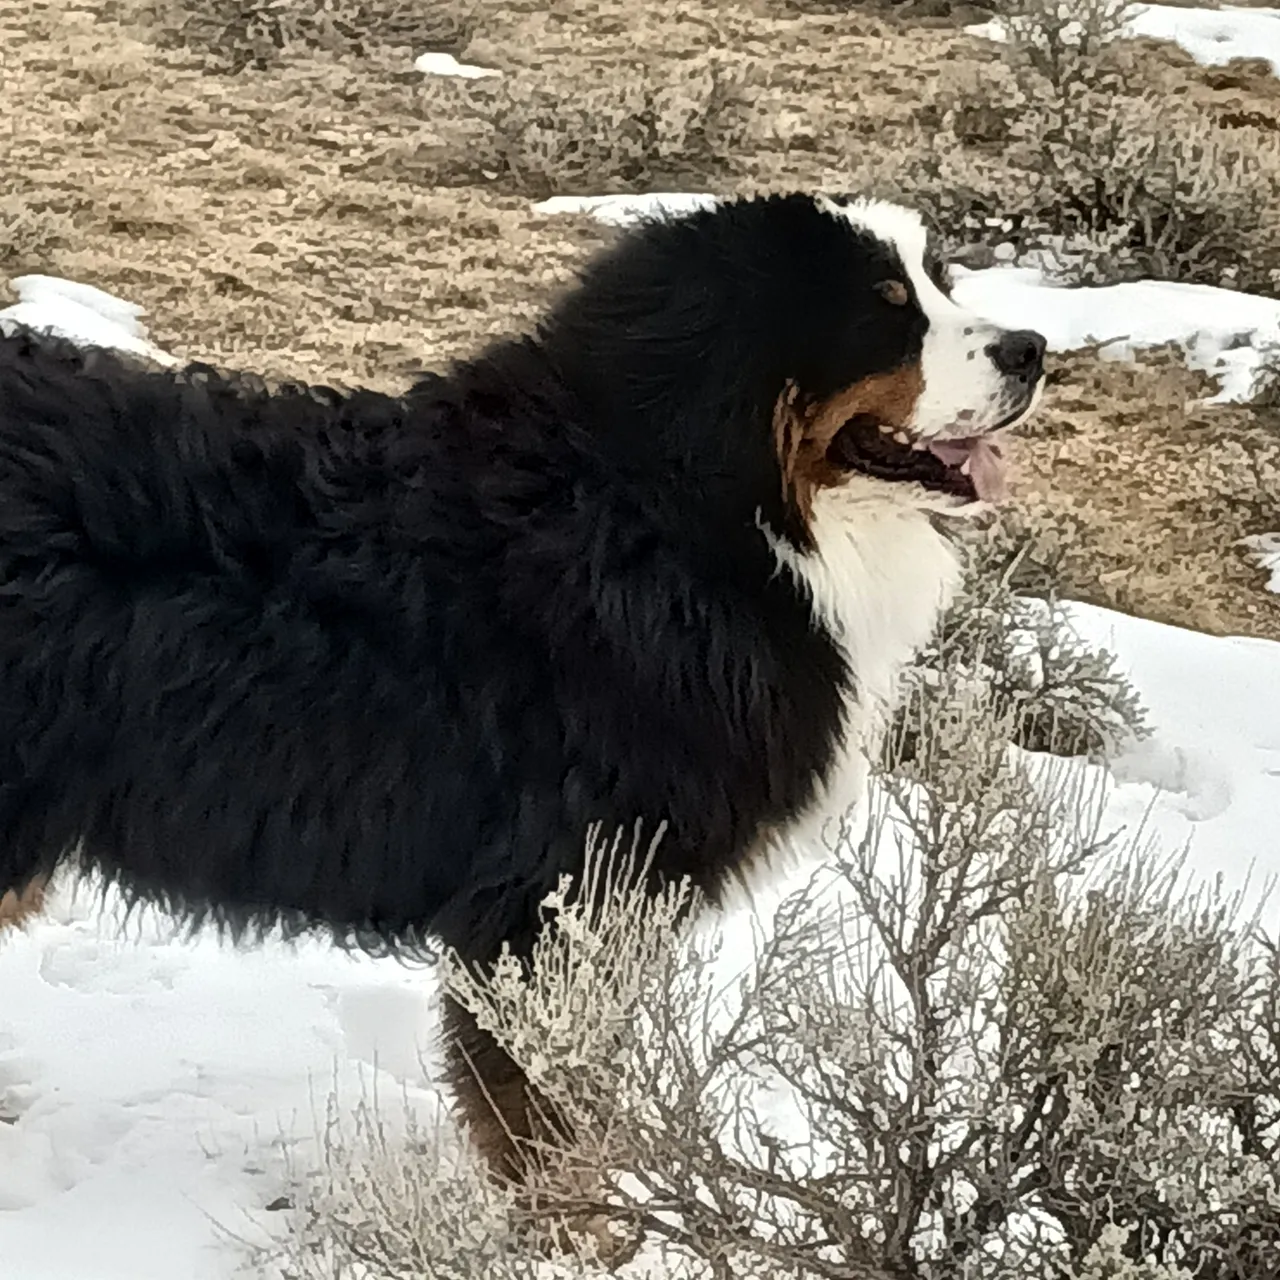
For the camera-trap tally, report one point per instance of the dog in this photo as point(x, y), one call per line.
point(306, 659)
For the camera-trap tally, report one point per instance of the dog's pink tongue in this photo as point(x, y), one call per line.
point(986, 464)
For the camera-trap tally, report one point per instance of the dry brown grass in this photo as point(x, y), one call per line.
point(1144, 493)
point(231, 35)
point(325, 211)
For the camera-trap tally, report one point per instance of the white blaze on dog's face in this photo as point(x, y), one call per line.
point(972, 379)
point(968, 387)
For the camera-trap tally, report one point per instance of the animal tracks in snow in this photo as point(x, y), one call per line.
point(165, 1088)
point(392, 1028)
point(90, 964)
point(1194, 783)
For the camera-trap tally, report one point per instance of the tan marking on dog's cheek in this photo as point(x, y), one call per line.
point(803, 430)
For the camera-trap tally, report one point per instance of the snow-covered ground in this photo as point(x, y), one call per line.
point(445, 64)
point(160, 1087)
point(1213, 37)
point(81, 313)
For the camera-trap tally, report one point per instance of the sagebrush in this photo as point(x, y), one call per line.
point(982, 1042)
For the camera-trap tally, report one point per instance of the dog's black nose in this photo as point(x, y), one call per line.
point(1019, 353)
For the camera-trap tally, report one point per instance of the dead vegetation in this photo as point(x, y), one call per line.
point(30, 236)
point(236, 35)
point(631, 126)
point(984, 1043)
point(1139, 492)
point(1007, 638)
point(1113, 184)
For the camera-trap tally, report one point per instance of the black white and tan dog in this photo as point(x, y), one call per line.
point(372, 664)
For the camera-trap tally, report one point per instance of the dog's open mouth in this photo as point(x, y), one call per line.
point(972, 468)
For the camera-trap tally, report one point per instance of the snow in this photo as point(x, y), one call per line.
point(163, 1087)
point(1265, 553)
point(445, 64)
point(620, 210)
point(1212, 37)
point(1208, 779)
point(1224, 332)
point(82, 314)
point(160, 1084)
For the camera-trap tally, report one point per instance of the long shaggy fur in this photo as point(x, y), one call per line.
point(375, 663)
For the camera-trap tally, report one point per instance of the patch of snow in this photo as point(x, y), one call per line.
point(621, 210)
point(1212, 37)
point(1224, 332)
point(1209, 775)
point(993, 29)
point(80, 313)
point(445, 64)
point(1265, 549)
point(160, 1089)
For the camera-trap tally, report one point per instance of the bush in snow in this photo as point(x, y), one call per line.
point(1009, 635)
point(1266, 397)
point(1078, 159)
point(399, 1200)
point(1067, 42)
point(1168, 203)
point(981, 1043)
point(1115, 184)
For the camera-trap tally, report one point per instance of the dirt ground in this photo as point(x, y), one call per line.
point(292, 197)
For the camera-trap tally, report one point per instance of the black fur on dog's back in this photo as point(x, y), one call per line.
point(375, 663)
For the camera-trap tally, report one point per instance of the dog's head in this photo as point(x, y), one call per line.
point(918, 403)
point(788, 349)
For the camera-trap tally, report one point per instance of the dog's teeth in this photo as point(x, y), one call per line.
point(964, 466)
point(886, 428)
point(901, 437)
point(919, 446)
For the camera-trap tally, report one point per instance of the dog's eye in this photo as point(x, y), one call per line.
point(894, 291)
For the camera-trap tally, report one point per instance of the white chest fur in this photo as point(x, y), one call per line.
point(880, 577)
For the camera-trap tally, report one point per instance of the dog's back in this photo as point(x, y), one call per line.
point(229, 646)
point(296, 656)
